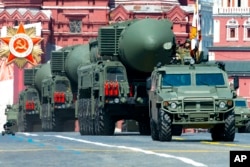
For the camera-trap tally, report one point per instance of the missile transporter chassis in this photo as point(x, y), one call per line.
point(104, 97)
point(195, 96)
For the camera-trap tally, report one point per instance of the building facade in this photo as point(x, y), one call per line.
point(231, 42)
point(61, 23)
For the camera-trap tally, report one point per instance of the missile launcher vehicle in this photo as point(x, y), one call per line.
point(29, 99)
point(60, 91)
point(113, 86)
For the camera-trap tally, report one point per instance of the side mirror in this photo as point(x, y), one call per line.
point(148, 83)
point(236, 82)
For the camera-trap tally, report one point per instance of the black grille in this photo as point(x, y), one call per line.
point(191, 105)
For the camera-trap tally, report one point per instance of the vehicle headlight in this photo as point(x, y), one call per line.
point(222, 104)
point(116, 100)
point(173, 105)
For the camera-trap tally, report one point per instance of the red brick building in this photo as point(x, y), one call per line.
point(66, 22)
point(232, 40)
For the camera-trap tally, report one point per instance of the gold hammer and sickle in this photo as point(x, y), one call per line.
point(21, 44)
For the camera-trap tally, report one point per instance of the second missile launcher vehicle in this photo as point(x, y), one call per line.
point(59, 92)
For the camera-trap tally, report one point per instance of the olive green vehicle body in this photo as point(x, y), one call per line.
point(242, 115)
point(29, 110)
point(193, 101)
point(57, 104)
point(11, 112)
point(30, 98)
point(59, 92)
point(133, 48)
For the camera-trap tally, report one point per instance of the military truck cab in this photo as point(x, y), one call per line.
point(190, 96)
point(242, 115)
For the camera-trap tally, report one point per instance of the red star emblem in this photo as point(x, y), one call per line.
point(21, 45)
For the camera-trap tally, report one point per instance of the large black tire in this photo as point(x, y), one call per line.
point(247, 129)
point(154, 131)
point(176, 130)
point(28, 125)
point(229, 130)
point(57, 124)
point(46, 120)
point(82, 117)
point(97, 118)
point(106, 123)
point(165, 126)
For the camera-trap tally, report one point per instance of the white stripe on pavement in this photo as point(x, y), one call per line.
point(183, 159)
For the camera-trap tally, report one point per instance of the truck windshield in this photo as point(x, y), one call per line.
point(32, 96)
point(62, 85)
point(176, 80)
point(210, 79)
point(240, 103)
point(115, 74)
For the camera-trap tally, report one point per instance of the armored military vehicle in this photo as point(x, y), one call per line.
point(29, 99)
point(60, 91)
point(113, 86)
point(11, 112)
point(242, 115)
point(191, 96)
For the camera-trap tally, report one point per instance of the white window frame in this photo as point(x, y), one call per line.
point(232, 23)
point(246, 26)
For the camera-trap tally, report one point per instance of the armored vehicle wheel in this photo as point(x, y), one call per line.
point(154, 131)
point(229, 130)
point(81, 117)
point(165, 126)
point(96, 120)
point(247, 129)
point(176, 130)
point(57, 125)
point(106, 123)
point(28, 127)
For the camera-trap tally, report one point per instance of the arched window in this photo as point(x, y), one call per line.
point(16, 23)
point(232, 30)
point(27, 21)
point(246, 30)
